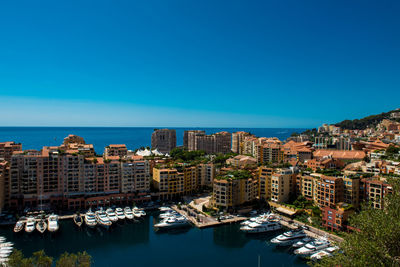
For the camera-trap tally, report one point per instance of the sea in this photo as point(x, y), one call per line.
point(100, 137)
point(138, 243)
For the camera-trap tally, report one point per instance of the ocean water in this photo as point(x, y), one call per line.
point(133, 137)
point(138, 244)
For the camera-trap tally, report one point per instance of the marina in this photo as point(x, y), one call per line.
point(139, 240)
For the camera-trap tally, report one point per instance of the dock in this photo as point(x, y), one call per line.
point(201, 220)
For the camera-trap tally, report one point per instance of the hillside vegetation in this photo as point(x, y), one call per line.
point(367, 122)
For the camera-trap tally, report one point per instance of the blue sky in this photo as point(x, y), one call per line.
point(197, 63)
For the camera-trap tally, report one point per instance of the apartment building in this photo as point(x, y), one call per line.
point(242, 161)
point(374, 191)
point(164, 140)
point(264, 181)
point(335, 219)
point(189, 139)
point(307, 183)
point(351, 191)
point(52, 178)
point(7, 149)
point(237, 141)
point(205, 174)
point(283, 185)
point(118, 150)
point(329, 191)
point(269, 153)
point(211, 144)
point(229, 191)
point(168, 182)
point(3, 173)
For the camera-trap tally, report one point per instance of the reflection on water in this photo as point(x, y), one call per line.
point(230, 236)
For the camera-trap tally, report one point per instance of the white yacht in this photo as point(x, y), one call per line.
point(312, 247)
point(128, 213)
point(138, 212)
point(111, 215)
point(168, 214)
point(90, 219)
point(170, 223)
point(164, 209)
point(18, 226)
point(120, 214)
point(289, 237)
point(302, 242)
point(327, 252)
point(259, 218)
point(261, 227)
point(52, 223)
point(30, 225)
point(103, 219)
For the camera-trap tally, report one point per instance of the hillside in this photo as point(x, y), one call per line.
point(370, 121)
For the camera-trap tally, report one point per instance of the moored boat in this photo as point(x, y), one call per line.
point(170, 223)
point(111, 215)
point(312, 247)
point(78, 220)
point(119, 213)
point(90, 219)
point(18, 226)
point(128, 213)
point(289, 237)
point(103, 219)
point(41, 226)
point(327, 252)
point(30, 225)
point(302, 242)
point(52, 223)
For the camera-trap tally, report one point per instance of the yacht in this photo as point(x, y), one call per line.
point(302, 242)
point(259, 218)
point(41, 226)
point(136, 212)
point(261, 227)
point(164, 209)
point(128, 213)
point(30, 225)
point(323, 253)
point(120, 214)
point(170, 223)
point(18, 226)
point(52, 223)
point(90, 219)
point(312, 247)
point(103, 219)
point(168, 214)
point(288, 238)
point(111, 215)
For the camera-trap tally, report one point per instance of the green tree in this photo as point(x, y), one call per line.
point(377, 243)
point(17, 259)
point(40, 259)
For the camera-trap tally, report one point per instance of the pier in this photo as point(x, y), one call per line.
point(201, 220)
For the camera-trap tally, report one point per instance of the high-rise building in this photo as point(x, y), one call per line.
point(329, 191)
point(283, 185)
point(189, 139)
point(115, 150)
point(230, 191)
point(7, 149)
point(237, 141)
point(164, 140)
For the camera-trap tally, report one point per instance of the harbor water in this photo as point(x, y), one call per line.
point(139, 244)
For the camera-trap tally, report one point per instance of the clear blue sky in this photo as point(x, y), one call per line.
point(197, 63)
